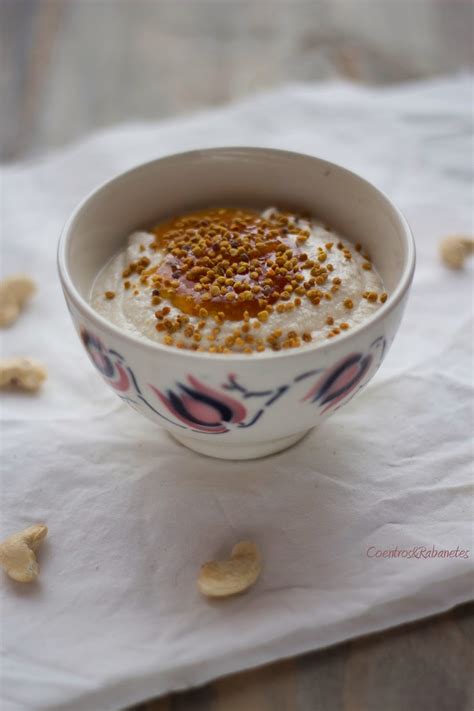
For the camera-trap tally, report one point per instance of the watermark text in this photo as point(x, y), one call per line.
point(417, 552)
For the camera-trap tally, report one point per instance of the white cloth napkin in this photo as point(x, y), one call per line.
point(116, 616)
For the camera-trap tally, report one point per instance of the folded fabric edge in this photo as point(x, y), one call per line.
point(150, 684)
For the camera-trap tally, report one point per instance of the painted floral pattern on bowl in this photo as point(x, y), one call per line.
point(346, 378)
point(201, 407)
point(193, 405)
point(109, 363)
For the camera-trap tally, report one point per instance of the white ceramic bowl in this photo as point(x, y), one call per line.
point(235, 406)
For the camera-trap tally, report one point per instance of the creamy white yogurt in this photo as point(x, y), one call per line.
point(134, 313)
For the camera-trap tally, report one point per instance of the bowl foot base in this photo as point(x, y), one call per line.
point(254, 450)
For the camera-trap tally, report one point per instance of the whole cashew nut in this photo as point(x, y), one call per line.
point(455, 249)
point(17, 553)
point(23, 373)
point(228, 577)
point(15, 291)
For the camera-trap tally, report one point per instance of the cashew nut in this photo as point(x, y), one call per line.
point(15, 291)
point(17, 553)
point(228, 577)
point(455, 249)
point(23, 373)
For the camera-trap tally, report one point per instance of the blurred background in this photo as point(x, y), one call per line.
point(71, 66)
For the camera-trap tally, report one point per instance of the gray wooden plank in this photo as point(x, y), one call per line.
point(70, 66)
point(425, 666)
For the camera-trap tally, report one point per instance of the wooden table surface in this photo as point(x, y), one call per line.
point(71, 66)
point(427, 666)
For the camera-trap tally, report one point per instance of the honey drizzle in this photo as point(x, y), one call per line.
point(205, 247)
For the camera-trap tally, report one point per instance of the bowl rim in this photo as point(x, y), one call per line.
point(155, 347)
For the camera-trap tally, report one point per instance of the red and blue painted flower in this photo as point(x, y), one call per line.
point(108, 362)
point(201, 407)
point(340, 381)
point(346, 377)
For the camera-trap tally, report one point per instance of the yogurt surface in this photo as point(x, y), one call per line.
point(227, 280)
